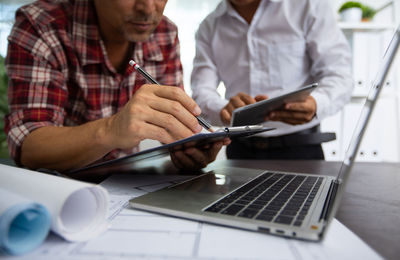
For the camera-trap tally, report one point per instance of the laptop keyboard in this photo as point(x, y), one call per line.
point(272, 197)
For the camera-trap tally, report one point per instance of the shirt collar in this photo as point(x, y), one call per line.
point(225, 7)
point(87, 40)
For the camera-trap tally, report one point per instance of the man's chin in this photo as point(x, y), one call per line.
point(137, 37)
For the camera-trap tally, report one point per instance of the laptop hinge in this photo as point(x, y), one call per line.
point(329, 201)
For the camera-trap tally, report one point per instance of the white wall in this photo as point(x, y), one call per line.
point(369, 41)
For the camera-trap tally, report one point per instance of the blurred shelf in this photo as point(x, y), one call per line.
point(366, 26)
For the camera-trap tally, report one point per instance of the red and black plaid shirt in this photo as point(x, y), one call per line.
point(60, 75)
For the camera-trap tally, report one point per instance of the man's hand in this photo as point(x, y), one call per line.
point(295, 113)
point(237, 101)
point(195, 158)
point(155, 112)
point(162, 113)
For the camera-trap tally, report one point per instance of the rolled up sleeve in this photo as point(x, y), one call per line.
point(36, 90)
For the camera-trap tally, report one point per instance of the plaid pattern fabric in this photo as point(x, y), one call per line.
point(59, 73)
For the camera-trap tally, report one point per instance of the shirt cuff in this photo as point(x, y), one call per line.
point(212, 111)
point(322, 101)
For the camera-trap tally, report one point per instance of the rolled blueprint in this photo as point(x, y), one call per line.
point(24, 224)
point(78, 210)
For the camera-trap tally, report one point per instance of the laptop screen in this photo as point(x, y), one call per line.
point(369, 105)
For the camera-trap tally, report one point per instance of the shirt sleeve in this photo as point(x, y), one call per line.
point(204, 78)
point(36, 89)
point(331, 60)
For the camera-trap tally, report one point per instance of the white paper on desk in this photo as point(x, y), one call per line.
point(78, 209)
point(134, 234)
point(139, 235)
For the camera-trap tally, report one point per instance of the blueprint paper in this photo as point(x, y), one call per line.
point(24, 224)
point(78, 210)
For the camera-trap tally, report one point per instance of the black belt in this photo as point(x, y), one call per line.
point(311, 136)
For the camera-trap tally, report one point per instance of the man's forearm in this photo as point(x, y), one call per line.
point(65, 148)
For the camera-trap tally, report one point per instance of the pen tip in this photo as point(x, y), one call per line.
point(132, 63)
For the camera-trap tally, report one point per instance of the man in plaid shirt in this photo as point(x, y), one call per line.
point(74, 99)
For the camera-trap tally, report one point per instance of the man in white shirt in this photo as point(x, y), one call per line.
point(262, 48)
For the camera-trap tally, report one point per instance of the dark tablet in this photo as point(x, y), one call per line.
point(198, 140)
point(255, 113)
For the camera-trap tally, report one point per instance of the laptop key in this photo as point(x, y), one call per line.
point(216, 207)
point(232, 210)
point(273, 208)
point(289, 212)
point(269, 213)
point(283, 219)
point(265, 218)
point(260, 203)
point(248, 213)
point(213, 209)
point(298, 223)
point(242, 202)
point(255, 206)
point(277, 203)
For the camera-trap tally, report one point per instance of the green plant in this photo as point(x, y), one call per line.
point(367, 12)
point(348, 5)
point(3, 108)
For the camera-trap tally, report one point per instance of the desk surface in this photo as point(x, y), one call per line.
point(370, 206)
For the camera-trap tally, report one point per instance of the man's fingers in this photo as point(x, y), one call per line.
point(298, 106)
point(246, 99)
point(240, 100)
point(229, 108)
point(154, 132)
point(296, 112)
point(236, 102)
point(226, 141)
point(292, 121)
point(202, 157)
point(309, 105)
point(176, 161)
point(260, 97)
point(173, 126)
point(177, 94)
point(226, 113)
point(197, 157)
point(215, 150)
point(286, 115)
point(205, 156)
point(178, 111)
point(185, 160)
point(225, 116)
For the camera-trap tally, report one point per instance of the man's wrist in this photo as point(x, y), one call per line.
point(103, 133)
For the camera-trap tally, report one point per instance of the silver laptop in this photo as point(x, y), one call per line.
point(280, 203)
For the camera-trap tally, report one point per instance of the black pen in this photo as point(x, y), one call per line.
point(149, 78)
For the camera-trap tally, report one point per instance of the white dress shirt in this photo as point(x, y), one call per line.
point(289, 43)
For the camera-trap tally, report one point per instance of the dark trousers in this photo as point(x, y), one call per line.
point(289, 147)
point(237, 150)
